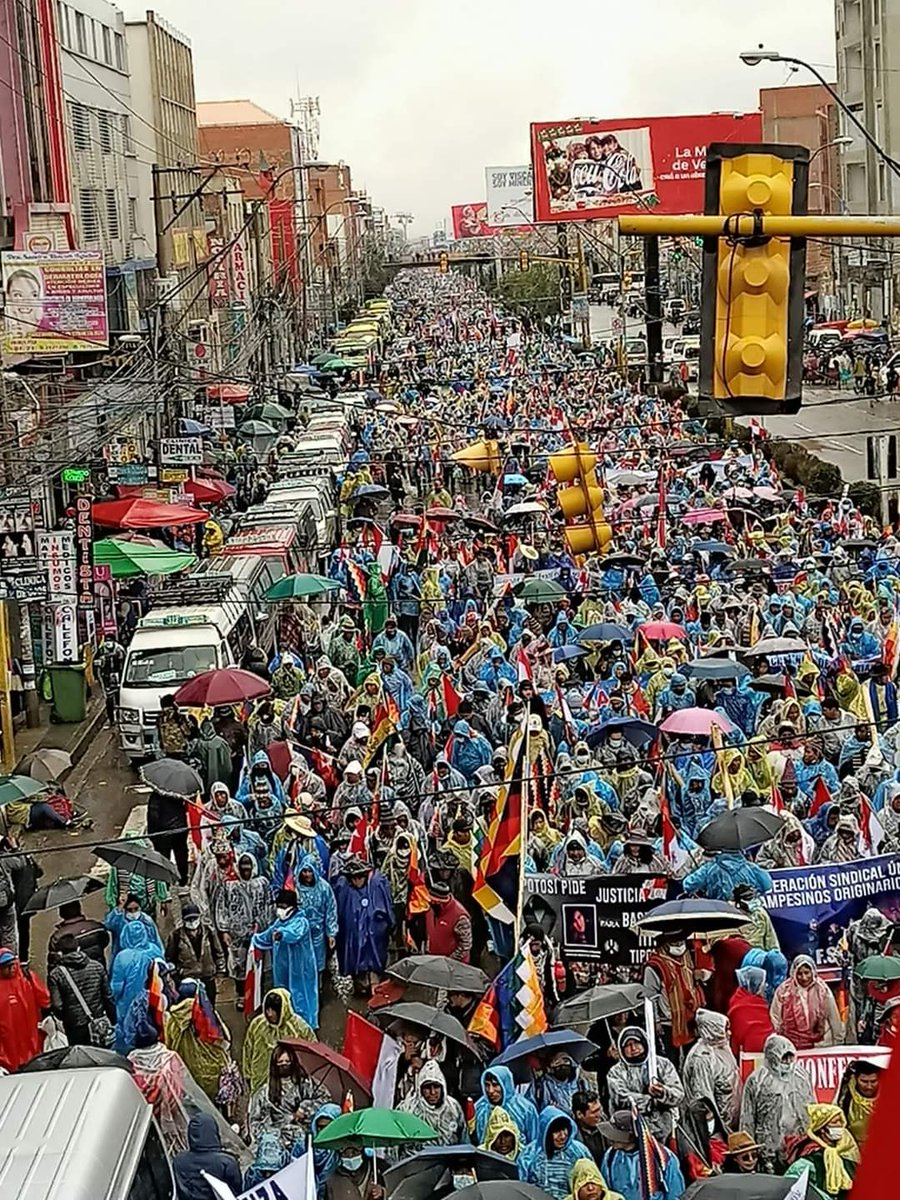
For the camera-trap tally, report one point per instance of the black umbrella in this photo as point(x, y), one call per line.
point(62, 891)
point(428, 1174)
point(748, 1187)
point(714, 668)
point(748, 565)
point(500, 1189)
point(554, 1041)
point(438, 971)
point(133, 859)
point(172, 778)
point(635, 731)
point(427, 1017)
point(76, 1058)
point(604, 1000)
point(740, 828)
point(692, 914)
point(612, 561)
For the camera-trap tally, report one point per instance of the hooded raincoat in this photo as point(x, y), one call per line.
point(545, 1166)
point(262, 1036)
point(629, 1080)
point(293, 962)
point(128, 978)
point(316, 901)
point(521, 1111)
point(445, 1117)
point(710, 1069)
point(775, 1099)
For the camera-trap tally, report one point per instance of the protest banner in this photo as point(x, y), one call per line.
point(826, 1065)
point(591, 918)
point(811, 907)
point(296, 1181)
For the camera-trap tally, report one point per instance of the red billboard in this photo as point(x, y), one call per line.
point(470, 220)
point(590, 170)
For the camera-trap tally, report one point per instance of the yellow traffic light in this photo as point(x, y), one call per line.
point(753, 285)
point(523, 260)
point(444, 262)
point(582, 500)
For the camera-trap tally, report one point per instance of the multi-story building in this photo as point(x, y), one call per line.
point(868, 69)
point(101, 145)
point(168, 176)
point(807, 116)
point(336, 230)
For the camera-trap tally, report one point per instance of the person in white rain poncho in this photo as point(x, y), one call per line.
point(710, 1069)
point(773, 1106)
point(430, 1103)
point(241, 905)
point(630, 1085)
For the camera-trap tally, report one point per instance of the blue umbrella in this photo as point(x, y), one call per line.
point(518, 480)
point(554, 1040)
point(714, 668)
point(712, 547)
point(605, 632)
point(369, 489)
point(561, 653)
point(194, 428)
point(639, 733)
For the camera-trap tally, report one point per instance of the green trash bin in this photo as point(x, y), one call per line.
point(69, 690)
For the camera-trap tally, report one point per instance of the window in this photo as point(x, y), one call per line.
point(132, 216)
point(105, 120)
point(876, 65)
point(89, 216)
point(112, 214)
point(107, 45)
point(81, 127)
point(882, 183)
point(60, 24)
point(120, 51)
point(80, 33)
point(127, 143)
point(92, 45)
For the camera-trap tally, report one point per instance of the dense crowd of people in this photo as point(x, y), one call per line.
point(474, 702)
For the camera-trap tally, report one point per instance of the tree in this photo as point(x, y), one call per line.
point(534, 292)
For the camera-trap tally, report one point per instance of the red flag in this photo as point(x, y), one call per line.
point(777, 801)
point(451, 696)
point(253, 982)
point(359, 839)
point(362, 1045)
point(879, 1160)
point(821, 795)
point(661, 520)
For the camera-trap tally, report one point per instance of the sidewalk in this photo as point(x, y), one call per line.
point(73, 738)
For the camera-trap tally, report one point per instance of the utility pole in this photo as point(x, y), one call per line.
point(565, 276)
point(654, 308)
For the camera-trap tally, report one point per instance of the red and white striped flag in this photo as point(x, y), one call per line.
point(757, 431)
point(375, 1055)
point(871, 830)
point(253, 982)
point(673, 852)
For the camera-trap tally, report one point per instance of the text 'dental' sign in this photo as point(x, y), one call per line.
point(826, 1066)
point(591, 918)
point(811, 907)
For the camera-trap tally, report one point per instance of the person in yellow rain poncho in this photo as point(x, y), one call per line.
point(759, 767)
point(194, 1031)
point(739, 777)
point(829, 1152)
point(213, 537)
point(501, 1135)
point(850, 696)
point(276, 1021)
point(587, 1183)
point(857, 1095)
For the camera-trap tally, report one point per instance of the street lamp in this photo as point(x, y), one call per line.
point(843, 140)
point(752, 58)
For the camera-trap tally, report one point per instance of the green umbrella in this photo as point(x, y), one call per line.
point(126, 557)
point(540, 591)
point(19, 787)
point(375, 1127)
point(879, 967)
point(257, 429)
point(324, 357)
point(337, 364)
point(297, 587)
point(268, 411)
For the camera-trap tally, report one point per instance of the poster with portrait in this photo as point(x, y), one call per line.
point(591, 170)
point(54, 302)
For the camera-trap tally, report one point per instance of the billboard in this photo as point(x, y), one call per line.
point(510, 194)
point(471, 220)
point(590, 170)
point(55, 301)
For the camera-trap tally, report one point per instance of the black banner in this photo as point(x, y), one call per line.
point(591, 918)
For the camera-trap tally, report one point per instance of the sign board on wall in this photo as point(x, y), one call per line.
point(510, 195)
point(55, 301)
point(180, 451)
point(56, 554)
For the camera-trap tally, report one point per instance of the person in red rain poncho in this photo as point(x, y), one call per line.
point(23, 1000)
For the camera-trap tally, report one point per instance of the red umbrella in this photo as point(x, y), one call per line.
point(659, 630)
point(209, 491)
point(442, 514)
point(226, 685)
point(137, 513)
point(230, 393)
point(336, 1074)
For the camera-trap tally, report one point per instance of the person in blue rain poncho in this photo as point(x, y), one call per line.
point(548, 1160)
point(621, 1166)
point(293, 957)
point(563, 632)
point(859, 644)
point(118, 919)
point(738, 705)
point(325, 1159)
point(498, 1090)
point(315, 898)
point(469, 750)
point(555, 1083)
point(397, 684)
point(365, 920)
point(128, 977)
point(496, 670)
point(717, 878)
point(675, 695)
point(691, 798)
point(260, 768)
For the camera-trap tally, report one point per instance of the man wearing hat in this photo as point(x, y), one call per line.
point(343, 649)
point(396, 644)
point(448, 926)
point(296, 840)
point(195, 951)
point(741, 1155)
point(621, 1167)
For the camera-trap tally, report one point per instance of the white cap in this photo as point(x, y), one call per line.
point(353, 768)
point(360, 730)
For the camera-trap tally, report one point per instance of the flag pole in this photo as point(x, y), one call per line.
point(525, 782)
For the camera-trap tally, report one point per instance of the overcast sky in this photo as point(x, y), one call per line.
point(418, 96)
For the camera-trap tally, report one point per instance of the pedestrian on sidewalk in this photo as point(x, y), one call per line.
point(24, 872)
point(167, 827)
point(80, 995)
point(24, 1000)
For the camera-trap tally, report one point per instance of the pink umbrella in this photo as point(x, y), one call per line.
point(767, 493)
point(739, 493)
point(695, 722)
point(704, 516)
point(657, 631)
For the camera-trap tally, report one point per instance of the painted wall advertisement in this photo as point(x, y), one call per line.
point(55, 302)
point(591, 170)
point(510, 195)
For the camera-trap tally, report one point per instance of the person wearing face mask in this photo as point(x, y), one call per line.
point(354, 1176)
point(287, 1102)
point(843, 845)
point(555, 1082)
point(710, 1069)
point(759, 930)
point(129, 910)
point(804, 1009)
point(828, 1152)
point(195, 951)
point(670, 975)
point(775, 1099)
point(293, 956)
point(547, 1162)
point(701, 1140)
point(241, 905)
point(630, 1085)
point(675, 696)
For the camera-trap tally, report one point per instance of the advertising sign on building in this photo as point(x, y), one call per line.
point(84, 531)
point(54, 302)
point(510, 195)
point(56, 554)
point(471, 220)
point(592, 170)
point(65, 633)
point(19, 516)
point(180, 451)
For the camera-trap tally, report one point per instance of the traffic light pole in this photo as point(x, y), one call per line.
point(747, 225)
point(654, 308)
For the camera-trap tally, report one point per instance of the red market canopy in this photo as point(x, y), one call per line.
point(228, 393)
point(137, 513)
point(209, 491)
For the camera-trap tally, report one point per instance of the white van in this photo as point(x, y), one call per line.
point(80, 1135)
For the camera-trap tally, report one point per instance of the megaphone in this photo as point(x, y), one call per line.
point(480, 456)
